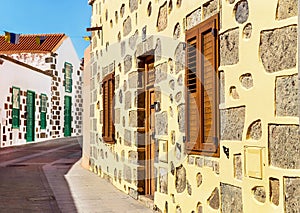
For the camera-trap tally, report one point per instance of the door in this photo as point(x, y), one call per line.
point(150, 129)
point(30, 116)
point(67, 116)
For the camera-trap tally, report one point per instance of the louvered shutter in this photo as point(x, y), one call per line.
point(202, 88)
point(192, 93)
point(208, 99)
point(108, 129)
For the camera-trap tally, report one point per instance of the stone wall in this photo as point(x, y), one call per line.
point(258, 104)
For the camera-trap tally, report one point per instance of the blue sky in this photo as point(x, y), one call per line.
point(71, 17)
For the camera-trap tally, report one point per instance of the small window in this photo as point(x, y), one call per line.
point(68, 77)
point(202, 127)
point(108, 129)
point(43, 98)
point(15, 107)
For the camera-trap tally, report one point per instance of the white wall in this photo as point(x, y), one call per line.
point(12, 74)
point(67, 53)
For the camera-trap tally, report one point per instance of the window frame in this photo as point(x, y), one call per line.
point(200, 146)
point(15, 109)
point(68, 77)
point(108, 129)
point(43, 111)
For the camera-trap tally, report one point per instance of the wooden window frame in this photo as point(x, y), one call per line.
point(201, 146)
point(108, 128)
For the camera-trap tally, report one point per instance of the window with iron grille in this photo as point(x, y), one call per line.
point(202, 126)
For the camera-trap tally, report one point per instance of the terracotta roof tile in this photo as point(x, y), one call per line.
point(28, 44)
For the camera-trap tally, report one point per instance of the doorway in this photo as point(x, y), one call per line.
point(30, 120)
point(150, 128)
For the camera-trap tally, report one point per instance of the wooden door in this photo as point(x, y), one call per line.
point(150, 145)
point(30, 116)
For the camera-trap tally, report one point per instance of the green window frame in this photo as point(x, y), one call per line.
point(68, 69)
point(15, 107)
point(43, 111)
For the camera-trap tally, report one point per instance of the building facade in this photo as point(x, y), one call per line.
point(194, 105)
point(45, 81)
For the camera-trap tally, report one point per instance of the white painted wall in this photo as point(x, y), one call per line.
point(12, 74)
point(67, 53)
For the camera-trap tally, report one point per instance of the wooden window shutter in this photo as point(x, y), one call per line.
point(202, 88)
point(192, 91)
point(209, 99)
point(108, 128)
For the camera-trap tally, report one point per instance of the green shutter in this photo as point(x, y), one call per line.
point(68, 77)
point(43, 98)
point(68, 116)
point(15, 107)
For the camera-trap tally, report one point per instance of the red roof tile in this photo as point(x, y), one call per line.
point(28, 44)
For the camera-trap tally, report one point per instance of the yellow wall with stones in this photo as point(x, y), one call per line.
point(258, 105)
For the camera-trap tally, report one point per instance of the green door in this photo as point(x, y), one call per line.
point(30, 116)
point(68, 116)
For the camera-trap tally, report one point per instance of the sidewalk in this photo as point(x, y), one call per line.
point(89, 193)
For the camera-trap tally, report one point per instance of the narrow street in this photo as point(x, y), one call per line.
point(48, 177)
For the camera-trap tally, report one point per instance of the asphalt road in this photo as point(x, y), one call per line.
point(25, 172)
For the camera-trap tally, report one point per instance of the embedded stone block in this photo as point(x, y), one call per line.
point(193, 18)
point(238, 168)
point(127, 137)
point(161, 72)
point(259, 193)
point(161, 123)
point(163, 180)
point(292, 194)
point(127, 26)
point(287, 96)
point(278, 48)
point(274, 191)
point(210, 9)
point(286, 9)
point(284, 149)
point(246, 80)
point(179, 57)
point(127, 100)
point(247, 31)
point(127, 173)
point(133, 39)
point(214, 199)
point(231, 199)
point(229, 47)
point(254, 131)
point(232, 123)
point(181, 117)
point(133, 5)
point(180, 179)
point(241, 11)
point(127, 63)
point(162, 20)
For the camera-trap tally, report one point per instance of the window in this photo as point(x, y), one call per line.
point(108, 88)
point(15, 107)
point(68, 77)
point(202, 88)
point(43, 98)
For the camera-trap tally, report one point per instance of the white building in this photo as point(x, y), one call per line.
point(46, 82)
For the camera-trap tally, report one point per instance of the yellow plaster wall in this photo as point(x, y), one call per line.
point(259, 102)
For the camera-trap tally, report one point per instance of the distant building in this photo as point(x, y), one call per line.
point(194, 104)
point(41, 85)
